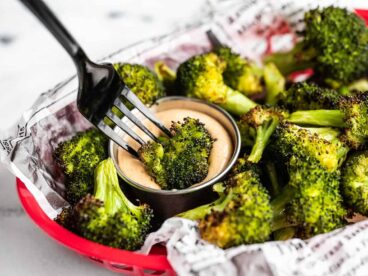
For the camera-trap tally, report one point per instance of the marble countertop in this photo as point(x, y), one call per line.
point(31, 62)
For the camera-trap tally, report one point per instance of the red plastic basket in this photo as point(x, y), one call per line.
point(126, 262)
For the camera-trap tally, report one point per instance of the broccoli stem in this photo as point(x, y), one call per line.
point(284, 234)
point(294, 60)
point(105, 178)
point(322, 117)
point(273, 179)
point(283, 198)
point(107, 189)
point(275, 83)
point(236, 103)
point(201, 211)
point(264, 133)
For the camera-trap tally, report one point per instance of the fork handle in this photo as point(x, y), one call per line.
point(49, 20)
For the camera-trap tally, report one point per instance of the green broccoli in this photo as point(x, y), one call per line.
point(310, 202)
point(323, 147)
point(240, 74)
point(142, 81)
point(351, 115)
point(334, 44)
point(256, 128)
point(241, 215)
point(182, 160)
point(354, 183)
point(78, 158)
point(108, 217)
point(308, 96)
point(274, 82)
point(201, 77)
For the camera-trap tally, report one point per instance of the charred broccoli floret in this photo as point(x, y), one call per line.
point(108, 217)
point(78, 157)
point(310, 202)
point(256, 128)
point(201, 77)
point(334, 44)
point(240, 74)
point(351, 115)
point(354, 183)
point(308, 96)
point(241, 215)
point(323, 147)
point(142, 81)
point(182, 160)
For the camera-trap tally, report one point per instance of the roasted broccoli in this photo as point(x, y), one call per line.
point(182, 160)
point(240, 74)
point(142, 81)
point(354, 183)
point(78, 158)
point(310, 202)
point(334, 43)
point(323, 146)
point(308, 96)
point(108, 217)
point(351, 115)
point(241, 215)
point(256, 128)
point(201, 77)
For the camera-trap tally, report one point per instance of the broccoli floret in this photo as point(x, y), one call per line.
point(274, 82)
point(182, 160)
point(323, 147)
point(334, 44)
point(201, 77)
point(310, 202)
point(351, 115)
point(242, 214)
point(308, 96)
point(108, 217)
point(256, 128)
point(354, 183)
point(240, 74)
point(78, 158)
point(142, 81)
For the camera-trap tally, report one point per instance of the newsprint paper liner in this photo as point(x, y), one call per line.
point(252, 28)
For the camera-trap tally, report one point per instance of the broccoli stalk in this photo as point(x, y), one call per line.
point(256, 128)
point(275, 83)
point(337, 57)
point(108, 217)
point(351, 116)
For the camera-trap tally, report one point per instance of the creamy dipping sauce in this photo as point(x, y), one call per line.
point(220, 155)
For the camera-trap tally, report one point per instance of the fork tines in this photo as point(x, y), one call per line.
point(119, 104)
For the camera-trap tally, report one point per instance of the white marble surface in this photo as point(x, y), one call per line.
point(31, 62)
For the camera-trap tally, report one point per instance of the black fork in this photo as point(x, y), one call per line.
point(100, 86)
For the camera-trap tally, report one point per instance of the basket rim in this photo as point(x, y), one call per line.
point(84, 246)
